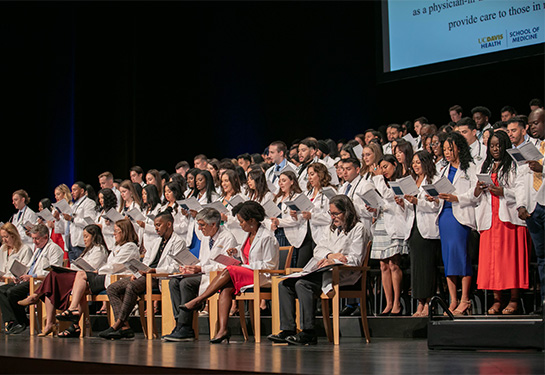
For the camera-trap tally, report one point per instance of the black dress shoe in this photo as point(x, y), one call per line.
point(347, 310)
point(302, 338)
point(17, 329)
point(112, 334)
point(356, 312)
point(395, 314)
point(281, 337)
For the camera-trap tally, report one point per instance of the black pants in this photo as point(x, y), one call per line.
point(10, 294)
point(182, 291)
point(306, 289)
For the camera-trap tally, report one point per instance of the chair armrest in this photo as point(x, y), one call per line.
point(276, 272)
point(293, 270)
point(159, 274)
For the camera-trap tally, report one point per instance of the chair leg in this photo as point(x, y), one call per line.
point(275, 306)
point(336, 316)
point(242, 316)
point(143, 320)
point(84, 320)
point(364, 321)
point(257, 319)
point(196, 323)
point(213, 315)
point(326, 319)
point(150, 319)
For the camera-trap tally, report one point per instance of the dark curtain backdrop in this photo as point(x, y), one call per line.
point(89, 87)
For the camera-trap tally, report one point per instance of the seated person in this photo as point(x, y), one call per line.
point(46, 253)
point(218, 240)
point(12, 249)
point(345, 242)
point(57, 286)
point(259, 252)
point(124, 293)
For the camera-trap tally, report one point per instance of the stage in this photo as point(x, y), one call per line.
point(24, 354)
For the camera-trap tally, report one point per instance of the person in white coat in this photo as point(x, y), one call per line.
point(12, 249)
point(503, 252)
point(314, 223)
point(389, 236)
point(24, 214)
point(423, 239)
point(230, 186)
point(150, 208)
point(467, 127)
point(258, 252)
point(277, 152)
point(456, 219)
point(123, 294)
point(345, 243)
point(56, 287)
point(216, 240)
point(106, 201)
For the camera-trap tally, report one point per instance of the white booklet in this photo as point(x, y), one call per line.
point(28, 225)
point(190, 203)
point(441, 186)
point(300, 204)
point(412, 140)
point(237, 199)
point(329, 192)
point(271, 209)
point(88, 220)
point(217, 205)
point(358, 151)
point(113, 215)
point(136, 215)
point(485, 178)
point(134, 266)
point(272, 187)
point(83, 265)
point(404, 186)
point(63, 207)
point(227, 260)
point(45, 215)
point(371, 198)
point(18, 269)
point(311, 267)
point(185, 258)
point(524, 153)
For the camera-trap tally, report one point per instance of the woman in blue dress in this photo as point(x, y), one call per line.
point(457, 219)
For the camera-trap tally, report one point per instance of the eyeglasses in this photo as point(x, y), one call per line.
point(335, 214)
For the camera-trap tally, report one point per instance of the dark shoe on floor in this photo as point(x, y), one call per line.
point(110, 333)
point(281, 337)
point(347, 310)
point(302, 338)
point(182, 334)
point(17, 329)
point(171, 333)
point(8, 327)
point(356, 312)
point(73, 331)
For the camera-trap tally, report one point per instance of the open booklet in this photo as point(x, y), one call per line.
point(136, 215)
point(190, 203)
point(485, 178)
point(218, 206)
point(45, 215)
point(134, 266)
point(185, 258)
point(524, 153)
point(18, 269)
point(404, 186)
point(300, 204)
point(113, 215)
point(227, 260)
point(63, 207)
point(441, 186)
point(312, 267)
point(271, 209)
point(372, 198)
point(237, 199)
point(329, 192)
point(83, 265)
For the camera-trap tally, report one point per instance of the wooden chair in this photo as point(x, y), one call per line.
point(255, 295)
point(168, 322)
point(36, 312)
point(358, 291)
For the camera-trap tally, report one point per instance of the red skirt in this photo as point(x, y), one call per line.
point(503, 254)
point(57, 286)
point(240, 276)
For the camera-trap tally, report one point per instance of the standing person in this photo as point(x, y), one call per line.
point(467, 128)
point(286, 230)
point(153, 177)
point(423, 237)
point(190, 176)
point(516, 129)
point(393, 132)
point(345, 242)
point(307, 155)
point(503, 255)
point(46, 253)
point(257, 189)
point(277, 152)
point(259, 252)
point(457, 219)
point(106, 180)
point(129, 197)
point(106, 201)
point(82, 208)
point(230, 186)
point(151, 206)
point(137, 175)
point(43, 204)
point(372, 153)
point(531, 195)
point(24, 214)
point(354, 186)
point(173, 194)
point(389, 236)
point(216, 240)
point(404, 155)
point(481, 116)
point(123, 294)
point(437, 148)
point(201, 162)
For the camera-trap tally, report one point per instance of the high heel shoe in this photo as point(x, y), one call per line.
point(466, 311)
point(51, 331)
point(221, 339)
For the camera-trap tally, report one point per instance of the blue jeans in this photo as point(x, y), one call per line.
point(536, 227)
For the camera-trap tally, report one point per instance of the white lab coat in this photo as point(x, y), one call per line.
point(166, 264)
point(27, 216)
point(263, 255)
point(51, 255)
point(96, 257)
point(23, 255)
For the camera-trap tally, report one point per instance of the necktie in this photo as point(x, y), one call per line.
point(347, 189)
point(538, 177)
point(31, 270)
point(211, 243)
point(277, 169)
point(19, 215)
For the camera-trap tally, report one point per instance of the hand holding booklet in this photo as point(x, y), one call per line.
point(83, 265)
point(442, 186)
point(18, 269)
point(63, 207)
point(485, 178)
point(371, 198)
point(136, 215)
point(113, 215)
point(404, 186)
point(237, 199)
point(300, 204)
point(185, 258)
point(271, 209)
point(45, 215)
point(135, 266)
point(227, 260)
point(190, 203)
point(312, 267)
point(526, 152)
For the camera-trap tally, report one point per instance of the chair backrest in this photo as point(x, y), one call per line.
point(286, 253)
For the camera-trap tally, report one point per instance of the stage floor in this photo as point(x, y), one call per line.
point(24, 354)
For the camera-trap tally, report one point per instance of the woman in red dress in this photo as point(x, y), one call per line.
point(258, 251)
point(503, 254)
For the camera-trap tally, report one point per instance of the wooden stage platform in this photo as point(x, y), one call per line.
point(24, 354)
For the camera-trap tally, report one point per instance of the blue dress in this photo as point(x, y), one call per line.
point(454, 237)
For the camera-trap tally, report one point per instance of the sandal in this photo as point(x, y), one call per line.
point(466, 311)
point(511, 308)
point(72, 331)
point(494, 311)
point(68, 316)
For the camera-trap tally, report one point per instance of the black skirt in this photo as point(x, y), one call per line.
point(96, 282)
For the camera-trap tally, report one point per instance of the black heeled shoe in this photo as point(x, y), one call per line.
point(221, 339)
point(197, 307)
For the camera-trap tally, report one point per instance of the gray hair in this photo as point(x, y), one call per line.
point(209, 215)
point(41, 230)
